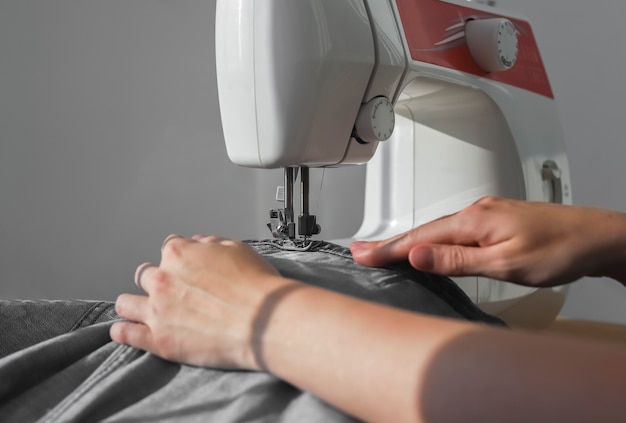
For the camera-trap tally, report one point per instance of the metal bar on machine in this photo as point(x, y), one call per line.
point(307, 224)
point(304, 191)
point(289, 180)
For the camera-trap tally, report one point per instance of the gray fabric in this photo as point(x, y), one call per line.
point(59, 363)
point(24, 322)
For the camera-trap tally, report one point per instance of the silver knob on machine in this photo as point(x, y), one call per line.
point(492, 43)
point(552, 183)
point(375, 121)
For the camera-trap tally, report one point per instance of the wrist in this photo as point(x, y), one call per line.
point(613, 264)
point(277, 290)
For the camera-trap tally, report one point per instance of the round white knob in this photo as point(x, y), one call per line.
point(492, 43)
point(376, 120)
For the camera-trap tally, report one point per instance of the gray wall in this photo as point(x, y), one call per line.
point(110, 139)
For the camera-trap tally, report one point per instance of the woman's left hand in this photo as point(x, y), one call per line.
point(203, 299)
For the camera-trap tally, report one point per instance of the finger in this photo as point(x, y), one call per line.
point(139, 273)
point(381, 253)
point(451, 260)
point(135, 334)
point(452, 229)
point(377, 253)
point(156, 282)
point(173, 248)
point(170, 238)
point(132, 307)
point(211, 238)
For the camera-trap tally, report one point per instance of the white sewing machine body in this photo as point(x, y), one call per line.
point(308, 84)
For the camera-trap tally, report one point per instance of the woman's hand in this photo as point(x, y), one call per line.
point(530, 243)
point(202, 303)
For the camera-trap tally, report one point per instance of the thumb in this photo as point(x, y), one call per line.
point(451, 260)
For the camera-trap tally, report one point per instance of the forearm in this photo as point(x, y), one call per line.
point(361, 357)
point(383, 364)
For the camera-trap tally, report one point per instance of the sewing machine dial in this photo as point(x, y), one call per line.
point(493, 43)
point(375, 121)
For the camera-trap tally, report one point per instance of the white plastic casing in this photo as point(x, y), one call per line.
point(391, 58)
point(291, 78)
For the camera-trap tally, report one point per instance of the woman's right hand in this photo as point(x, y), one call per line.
point(529, 243)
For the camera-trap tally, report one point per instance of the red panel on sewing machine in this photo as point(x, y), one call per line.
point(434, 32)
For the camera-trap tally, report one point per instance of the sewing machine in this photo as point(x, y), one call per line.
point(446, 100)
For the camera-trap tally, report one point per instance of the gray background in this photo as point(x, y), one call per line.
point(110, 139)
